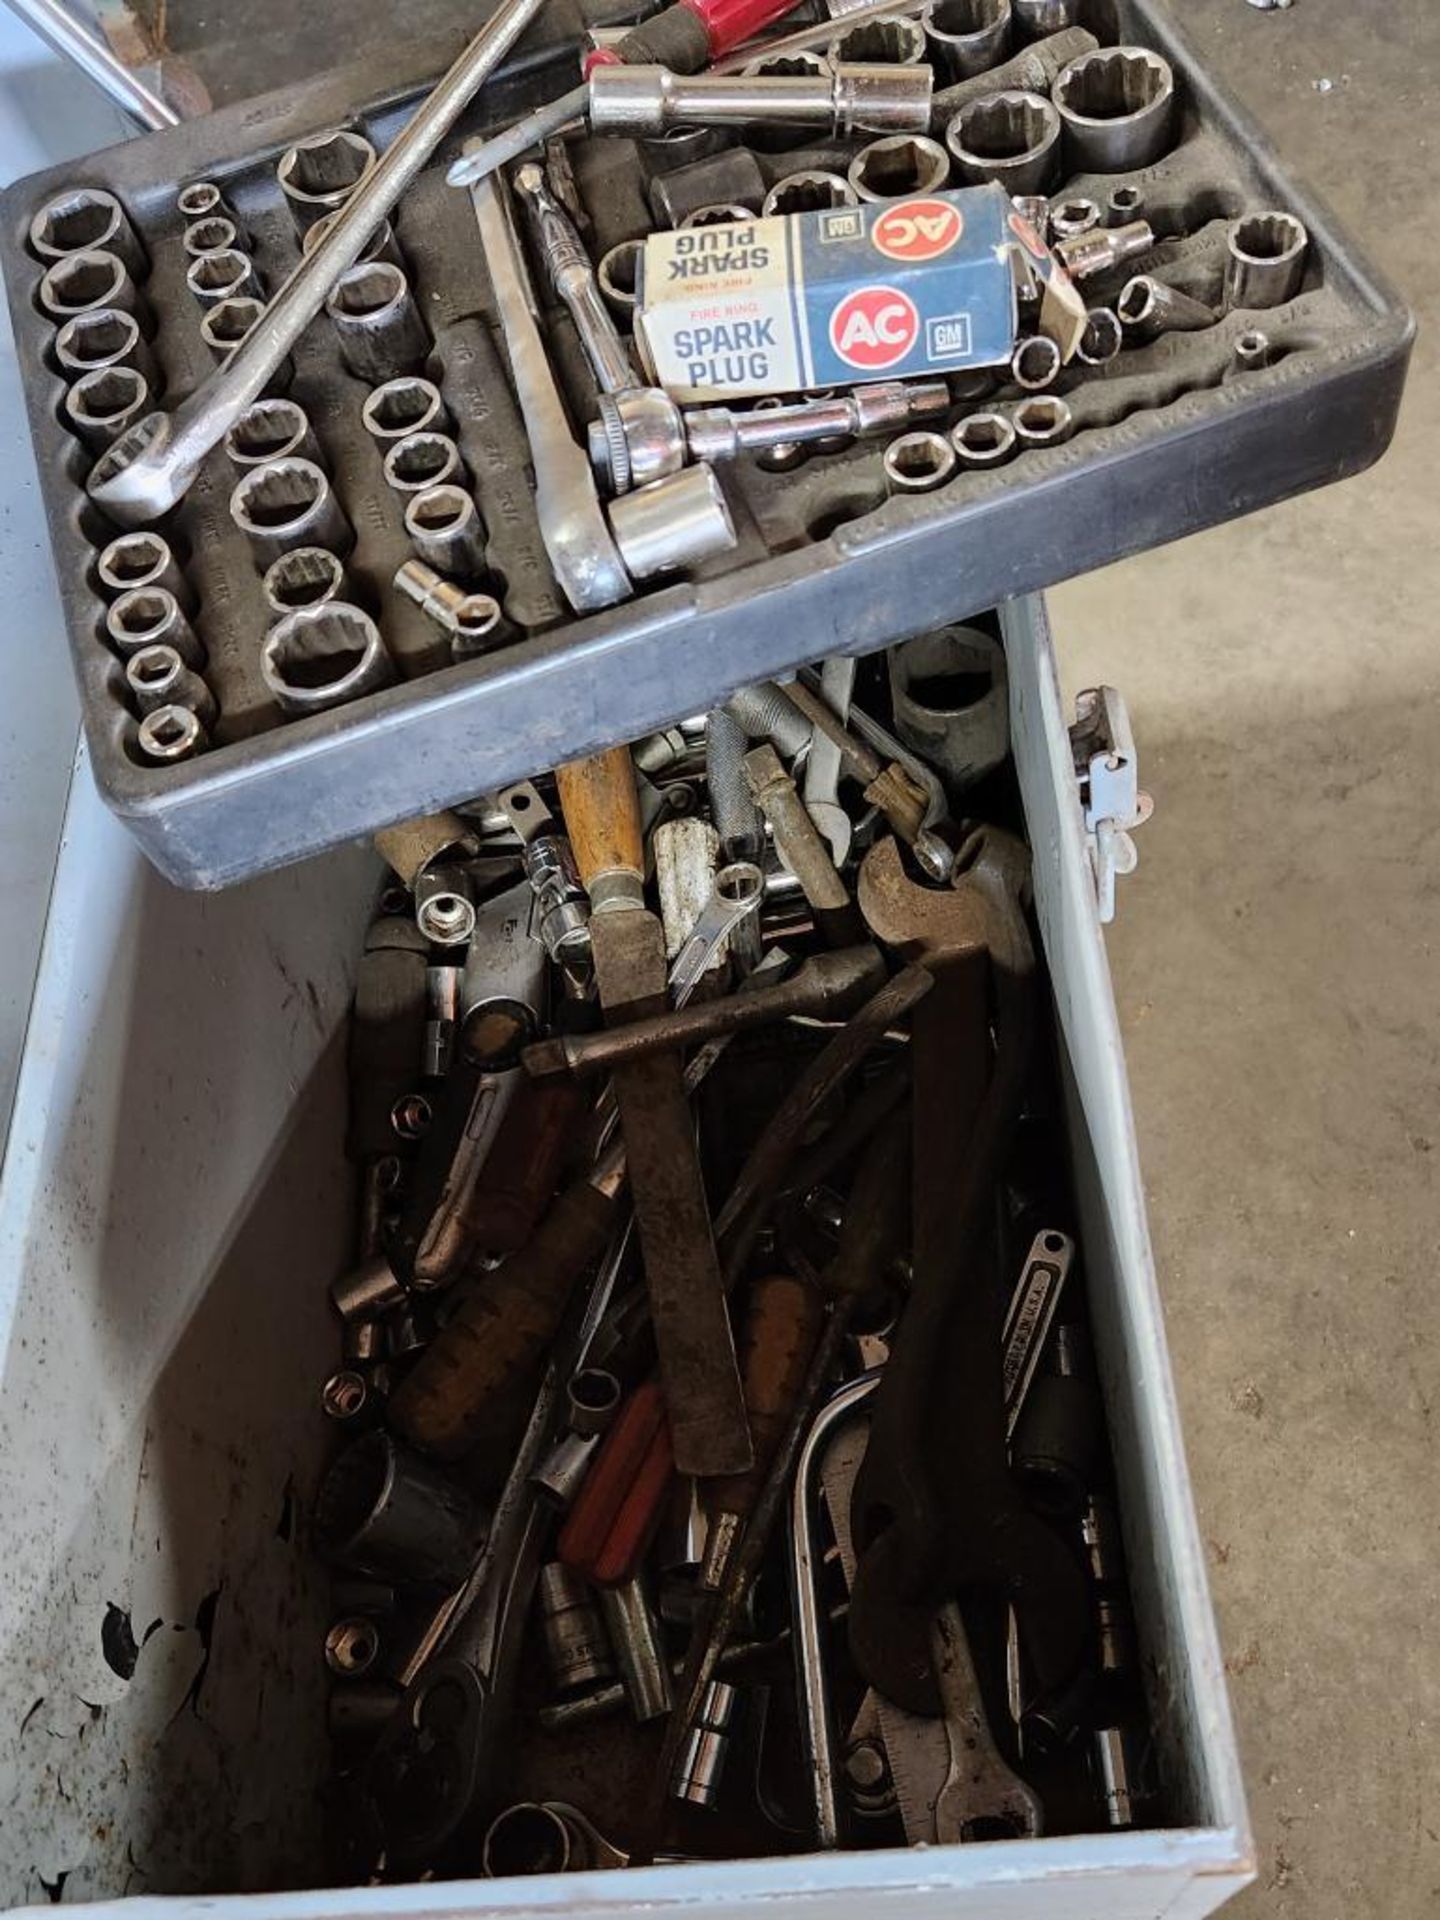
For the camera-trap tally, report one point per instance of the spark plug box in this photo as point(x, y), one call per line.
point(833, 297)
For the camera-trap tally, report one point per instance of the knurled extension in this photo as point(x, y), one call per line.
point(617, 447)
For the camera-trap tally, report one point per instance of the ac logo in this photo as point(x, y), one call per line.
point(874, 327)
point(917, 229)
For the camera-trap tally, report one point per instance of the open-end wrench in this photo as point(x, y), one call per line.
point(152, 466)
point(737, 893)
point(577, 539)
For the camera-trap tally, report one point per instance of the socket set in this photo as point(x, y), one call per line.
point(366, 604)
point(720, 1463)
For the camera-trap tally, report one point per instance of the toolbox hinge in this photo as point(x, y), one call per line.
point(1107, 771)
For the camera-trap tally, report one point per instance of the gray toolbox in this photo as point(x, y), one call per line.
point(1176, 434)
point(174, 1198)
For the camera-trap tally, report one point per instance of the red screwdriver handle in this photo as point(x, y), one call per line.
point(690, 34)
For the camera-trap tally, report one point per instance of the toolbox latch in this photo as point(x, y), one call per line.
point(1107, 772)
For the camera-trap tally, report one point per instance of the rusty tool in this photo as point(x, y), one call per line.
point(935, 1510)
point(800, 844)
point(827, 983)
point(682, 1272)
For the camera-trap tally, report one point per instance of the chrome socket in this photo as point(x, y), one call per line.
point(377, 322)
point(1102, 338)
point(918, 463)
point(382, 244)
point(224, 275)
point(810, 191)
point(215, 234)
point(1038, 19)
point(639, 1654)
point(446, 531)
point(1252, 351)
point(1148, 308)
point(135, 560)
point(592, 1399)
point(1044, 421)
point(1012, 138)
point(104, 337)
point(422, 461)
point(272, 430)
point(672, 523)
point(1265, 260)
point(700, 1767)
point(321, 657)
point(1118, 106)
point(408, 404)
point(317, 176)
point(967, 36)
point(1035, 363)
point(618, 275)
point(201, 200)
point(151, 617)
point(1124, 204)
point(304, 577)
point(470, 619)
point(171, 734)
point(984, 439)
point(896, 42)
point(101, 405)
point(904, 163)
point(1072, 217)
point(87, 220)
point(367, 1291)
point(158, 677)
point(576, 1646)
point(82, 282)
point(1103, 248)
point(226, 327)
point(718, 217)
point(288, 503)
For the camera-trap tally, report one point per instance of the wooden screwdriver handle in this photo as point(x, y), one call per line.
point(601, 806)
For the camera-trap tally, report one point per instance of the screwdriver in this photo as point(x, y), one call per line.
point(685, 37)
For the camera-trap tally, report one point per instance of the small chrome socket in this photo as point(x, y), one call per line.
point(900, 164)
point(1265, 260)
point(985, 439)
point(104, 337)
point(812, 190)
point(135, 560)
point(918, 463)
point(152, 617)
point(408, 404)
point(171, 734)
point(101, 405)
point(446, 531)
point(227, 274)
point(158, 677)
point(422, 461)
point(269, 430)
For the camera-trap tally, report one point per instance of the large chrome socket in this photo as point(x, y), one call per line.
point(1265, 260)
point(321, 657)
point(421, 461)
point(101, 405)
point(967, 37)
point(1012, 138)
point(83, 282)
point(87, 220)
point(272, 430)
point(317, 176)
point(1118, 106)
point(304, 577)
point(377, 322)
point(406, 405)
point(104, 337)
point(288, 503)
point(903, 163)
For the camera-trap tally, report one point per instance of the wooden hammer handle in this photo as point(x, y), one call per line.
point(602, 817)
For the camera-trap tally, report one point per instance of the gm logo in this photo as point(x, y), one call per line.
point(948, 336)
point(844, 224)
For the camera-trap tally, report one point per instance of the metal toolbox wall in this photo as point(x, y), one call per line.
point(1167, 443)
point(173, 1195)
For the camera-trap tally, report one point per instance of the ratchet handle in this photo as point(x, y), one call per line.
point(625, 1493)
point(601, 805)
point(468, 1388)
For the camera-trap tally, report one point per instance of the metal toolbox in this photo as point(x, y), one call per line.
point(173, 1185)
point(1169, 439)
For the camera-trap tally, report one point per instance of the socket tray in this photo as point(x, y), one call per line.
point(1168, 439)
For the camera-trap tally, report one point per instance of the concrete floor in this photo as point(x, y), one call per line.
point(1275, 962)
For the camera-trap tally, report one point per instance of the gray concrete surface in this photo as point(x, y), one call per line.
point(1276, 965)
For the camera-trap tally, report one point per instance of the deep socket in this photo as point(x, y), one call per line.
point(445, 529)
point(317, 176)
point(148, 617)
point(1117, 104)
point(851, 99)
point(321, 657)
point(86, 220)
point(408, 404)
point(617, 273)
point(81, 282)
point(421, 461)
point(143, 560)
point(103, 404)
point(288, 503)
point(967, 36)
point(377, 322)
point(1265, 260)
point(171, 734)
point(902, 164)
point(223, 275)
point(104, 337)
point(1012, 138)
point(158, 677)
point(304, 577)
point(272, 430)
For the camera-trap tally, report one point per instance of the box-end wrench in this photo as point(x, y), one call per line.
point(737, 893)
point(151, 467)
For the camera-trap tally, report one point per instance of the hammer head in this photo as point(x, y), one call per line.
point(982, 909)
